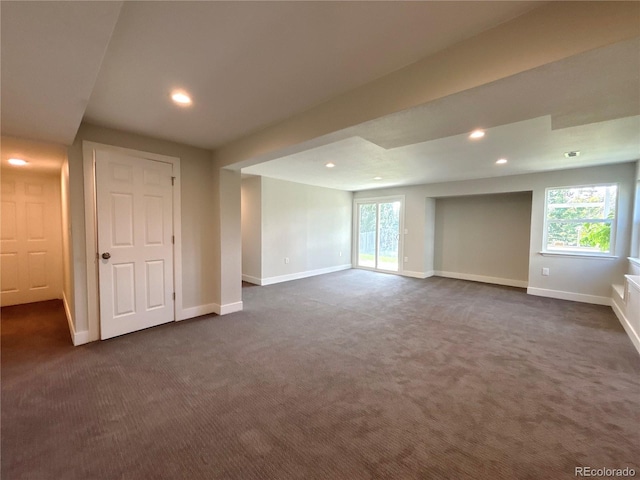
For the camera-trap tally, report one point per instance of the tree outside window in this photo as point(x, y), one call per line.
point(580, 219)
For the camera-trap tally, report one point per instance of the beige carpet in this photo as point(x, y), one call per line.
point(352, 375)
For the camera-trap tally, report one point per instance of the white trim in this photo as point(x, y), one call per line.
point(229, 308)
point(566, 253)
point(618, 290)
point(407, 273)
point(299, 275)
point(633, 335)
point(574, 297)
point(208, 309)
point(356, 227)
point(634, 261)
point(78, 338)
point(634, 280)
point(93, 308)
point(484, 279)
point(613, 221)
point(191, 312)
point(91, 240)
point(250, 279)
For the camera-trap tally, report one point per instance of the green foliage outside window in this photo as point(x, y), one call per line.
point(580, 218)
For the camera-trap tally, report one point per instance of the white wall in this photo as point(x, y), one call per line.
point(251, 192)
point(574, 278)
point(199, 270)
point(311, 226)
point(484, 236)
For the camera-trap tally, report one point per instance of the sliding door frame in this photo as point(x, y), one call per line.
point(356, 231)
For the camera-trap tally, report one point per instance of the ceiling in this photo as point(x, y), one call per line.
point(45, 157)
point(248, 65)
point(589, 103)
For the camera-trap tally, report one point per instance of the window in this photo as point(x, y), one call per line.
point(580, 220)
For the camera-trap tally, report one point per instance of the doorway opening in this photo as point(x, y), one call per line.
point(378, 234)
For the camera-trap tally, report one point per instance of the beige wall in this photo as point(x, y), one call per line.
point(581, 279)
point(311, 226)
point(484, 235)
point(229, 252)
point(199, 270)
point(211, 195)
point(546, 34)
point(252, 229)
point(67, 248)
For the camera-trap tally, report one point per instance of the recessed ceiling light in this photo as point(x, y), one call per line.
point(377, 178)
point(330, 165)
point(477, 134)
point(17, 161)
point(572, 154)
point(501, 161)
point(181, 98)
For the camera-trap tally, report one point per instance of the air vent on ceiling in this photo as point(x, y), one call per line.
point(571, 154)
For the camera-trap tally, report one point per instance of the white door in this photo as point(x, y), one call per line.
point(135, 252)
point(31, 238)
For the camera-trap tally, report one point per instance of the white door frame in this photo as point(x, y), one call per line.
point(90, 219)
point(356, 227)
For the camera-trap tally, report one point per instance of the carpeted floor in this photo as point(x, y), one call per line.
point(352, 375)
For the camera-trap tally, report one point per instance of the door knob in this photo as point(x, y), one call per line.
point(106, 255)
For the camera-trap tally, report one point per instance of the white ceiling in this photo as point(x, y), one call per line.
point(51, 53)
point(246, 64)
point(251, 64)
point(589, 102)
point(529, 146)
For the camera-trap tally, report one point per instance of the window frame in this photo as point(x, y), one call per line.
point(576, 253)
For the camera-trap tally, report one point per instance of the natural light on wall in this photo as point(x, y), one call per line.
point(581, 220)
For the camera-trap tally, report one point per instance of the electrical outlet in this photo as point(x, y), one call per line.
point(545, 271)
point(286, 260)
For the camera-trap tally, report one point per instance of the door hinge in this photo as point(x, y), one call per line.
point(173, 239)
point(173, 180)
point(174, 295)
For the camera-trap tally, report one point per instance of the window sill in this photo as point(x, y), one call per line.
point(634, 261)
point(579, 255)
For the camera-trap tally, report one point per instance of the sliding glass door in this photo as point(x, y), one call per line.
point(378, 234)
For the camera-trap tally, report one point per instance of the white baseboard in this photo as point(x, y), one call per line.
point(250, 279)
point(422, 275)
point(299, 275)
point(575, 297)
point(633, 335)
point(484, 279)
point(191, 312)
point(229, 308)
point(78, 338)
